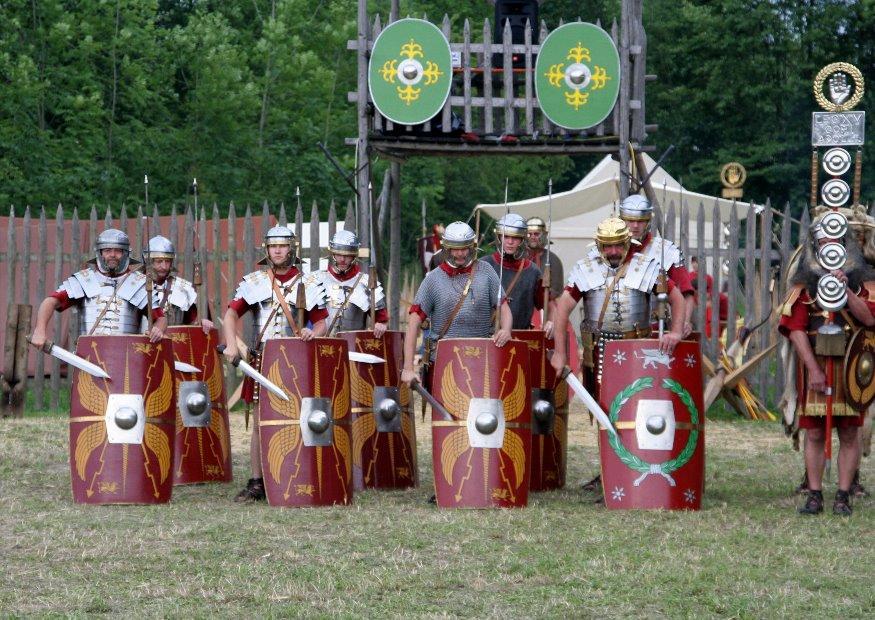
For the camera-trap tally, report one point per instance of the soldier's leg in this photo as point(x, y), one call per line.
point(814, 459)
point(849, 446)
point(254, 490)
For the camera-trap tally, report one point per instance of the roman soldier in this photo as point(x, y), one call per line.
point(616, 286)
point(521, 278)
point(816, 328)
point(175, 296)
point(348, 288)
point(111, 297)
point(274, 295)
point(537, 241)
point(458, 298)
point(637, 212)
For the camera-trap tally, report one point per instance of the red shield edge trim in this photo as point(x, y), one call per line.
point(467, 477)
point(295, 474)
point(381, 460)
point(636, 377)
point(549, 451)
point(114, 473)
point(201, 454)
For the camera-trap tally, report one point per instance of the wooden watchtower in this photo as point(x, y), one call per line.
point(496, 107)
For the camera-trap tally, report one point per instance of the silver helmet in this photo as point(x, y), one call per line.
point(161, 247)
point(344, 242)
point(637, 208)
point(279, 235)
point(511, 225)
point(460, 236)
point(113, 238)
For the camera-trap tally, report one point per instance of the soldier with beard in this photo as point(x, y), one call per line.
point(110, 296)
point(801, 317)
point(271, 294)
point(174, 296)
point(349, 296)
point(536, 241)
point(521, 279)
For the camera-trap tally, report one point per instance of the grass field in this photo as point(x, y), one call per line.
point(746, 554)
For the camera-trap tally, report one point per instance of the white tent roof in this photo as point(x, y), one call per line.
point(598, 191)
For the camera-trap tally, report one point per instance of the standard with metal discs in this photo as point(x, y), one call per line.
point(835, 193)
point(831, 256)
point(577, 75)
point(486, 423)
point(410, 71)
point(126, 418)
point(836, 161)
point(834, 225)
point(832, 294)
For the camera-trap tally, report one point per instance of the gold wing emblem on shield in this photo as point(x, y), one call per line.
point(159, 399)
point(91, 397)
point(286, 408)
point(560, 395)
point(363, 429)
point(362, 391)
point(214, 385)
point(454, 399)
point(403, 395)
point(513, 448)
point(281, 444)
point(217, 425)
point(407, 428)
point(341, 441)
point(159, 444)
point(91, 437)
point(340, 404)
point(559, 429)
point(452, 447)
point(515, 402)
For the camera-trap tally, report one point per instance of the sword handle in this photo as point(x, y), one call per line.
point(47, 345)
point(234, 362)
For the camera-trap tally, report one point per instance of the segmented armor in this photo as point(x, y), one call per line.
point(109, 305)
point(355, 315)
point(257, 291)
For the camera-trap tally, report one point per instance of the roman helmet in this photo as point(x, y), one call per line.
point(510, 225)
point(457, 236)
point(612, 231)
point(161, 247)
point(345, 243)
point(636, 208)
point(113, 238)
point(537, 224)
point(279, 235)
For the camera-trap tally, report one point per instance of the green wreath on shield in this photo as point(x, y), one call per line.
point(638, 464)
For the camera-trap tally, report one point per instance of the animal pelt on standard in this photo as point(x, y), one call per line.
point(809, 271)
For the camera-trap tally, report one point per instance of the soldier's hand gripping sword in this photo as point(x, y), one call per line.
point(253, 374)
point(431, 400)
point(74, 360)
point(591, 403)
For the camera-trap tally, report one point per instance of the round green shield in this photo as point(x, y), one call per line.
point(577, 75)
point(410, 71)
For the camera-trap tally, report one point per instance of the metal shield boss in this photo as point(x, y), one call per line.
point(305, 441)
point(121, 430)
point(549, 414)
point(383, 429)
point(202, 443)
point(410, 71)
point(482, 456)
point(577, 75)
point(859, 369)
point(657, 460)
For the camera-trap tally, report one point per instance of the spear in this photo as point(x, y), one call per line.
point(301, 297)
point(501, 260)
point(147, 267)
point(197, 275)
point(372, 259)
point(545, 311)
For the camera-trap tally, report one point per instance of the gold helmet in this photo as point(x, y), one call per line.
point(536, 224)
point(612, 231)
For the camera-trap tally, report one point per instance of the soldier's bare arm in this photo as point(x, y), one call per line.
point(860, 309)
point(229, 331)
point(671, 338)
point(502, 336)
point(43, 316)
point(158, 329)
point(816, 376)
point(408, 374)
point(564, 305)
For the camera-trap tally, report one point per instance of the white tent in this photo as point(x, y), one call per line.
point(577, 211)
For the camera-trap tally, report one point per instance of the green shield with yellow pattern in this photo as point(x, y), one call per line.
point(410, 71)
point(577, 76)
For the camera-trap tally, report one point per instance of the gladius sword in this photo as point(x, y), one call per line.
point(74, 360)
point(253, 374)
point(590, 402)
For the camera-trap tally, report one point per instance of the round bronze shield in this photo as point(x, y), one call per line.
point(860, 369)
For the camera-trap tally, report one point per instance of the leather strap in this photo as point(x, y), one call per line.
point(106, 306)
point(608, 294)
point(278, 292)
point(459, 303)
point(509, 290)
point(343, 306)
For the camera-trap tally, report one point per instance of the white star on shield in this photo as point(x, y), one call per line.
point(690, 360)
point(619, 357)
point(618, 493)
point(689, 496)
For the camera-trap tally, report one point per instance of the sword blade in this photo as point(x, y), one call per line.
point(590, 402)
point(74, 360)
point(249, 371)
point(365, 358)
point(183, 367)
